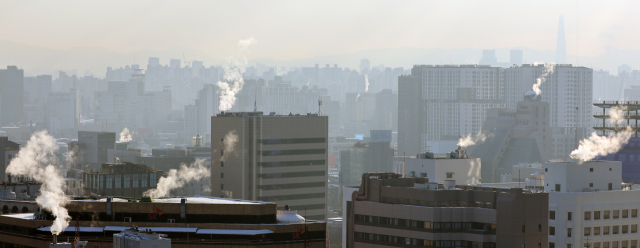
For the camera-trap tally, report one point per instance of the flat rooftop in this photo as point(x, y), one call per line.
point(191, 199)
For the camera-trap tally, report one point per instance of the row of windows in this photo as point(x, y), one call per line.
point(117, 181)
point(612, 244)
point(291, 186)
point(291, 141)
point(292, 163)
point(292, 152)
point(616, 214)
point(439, 226)
point(292, 174)
point(606, 230)
point(422, 242)
point(291, 197)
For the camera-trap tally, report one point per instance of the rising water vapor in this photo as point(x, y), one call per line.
point(616, 114)
point(601, 145)
point(126, 135)
point(37, 160)
point(542, 78)
point(469, 140)
point(230, 140)
point(179, 178)
point(233, 71)
point(366, 83)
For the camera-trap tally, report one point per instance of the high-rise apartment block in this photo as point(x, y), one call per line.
point(11, 95)
point(274, 158)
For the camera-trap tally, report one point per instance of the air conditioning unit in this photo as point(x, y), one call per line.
point(127, 219)
point(171, 220)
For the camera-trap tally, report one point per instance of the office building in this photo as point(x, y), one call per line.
point(437, 104)
point(121, 179)
point(390, 211)
point(11, 95)
point(459, 167)
point(489, 57)
point(187, 221)
point(589, 206)
point(521, 136)
point(277, 158)
point(8, 151)
point(94, 147)
point(375, 155)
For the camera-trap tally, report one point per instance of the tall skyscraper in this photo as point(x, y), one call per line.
point(273, 158)
point(489, 57)
point(516, 57)
point(561, 46)
point(11, 95)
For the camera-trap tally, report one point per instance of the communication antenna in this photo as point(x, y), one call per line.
point(319, 106)
point(255, 100)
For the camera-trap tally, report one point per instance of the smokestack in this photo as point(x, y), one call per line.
point(55, 239)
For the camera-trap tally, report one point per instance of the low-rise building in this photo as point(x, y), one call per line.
point(122, 179)
point(437, 168)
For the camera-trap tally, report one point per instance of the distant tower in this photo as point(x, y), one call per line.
point(561, 46)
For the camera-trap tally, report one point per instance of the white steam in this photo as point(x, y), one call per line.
point(366, 83)
point(126, 135)
point(37, 160)
point(543, 78)
point(233, 71)
point(616, 114)
point(601, 145)
point(469, 140)
point(230, 141)
point(179, 178)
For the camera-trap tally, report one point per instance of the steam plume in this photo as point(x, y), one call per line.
point(233, 71)
point(615, 114)
point(36, 160)
point(601, 145)
point(469, 140)
point(178, 178)
point(230, 141)
point(543, 78)
point(126, 135)
point(366, 83)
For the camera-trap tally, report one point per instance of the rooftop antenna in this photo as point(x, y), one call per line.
point(255, 100)
point(319, 106)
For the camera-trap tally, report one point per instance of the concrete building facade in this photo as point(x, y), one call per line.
point(11, 95)
point(276, 158)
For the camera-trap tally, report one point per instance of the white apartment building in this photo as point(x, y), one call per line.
point(567, 89)
point(589, 206)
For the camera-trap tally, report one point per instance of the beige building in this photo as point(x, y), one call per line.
point(273, 158)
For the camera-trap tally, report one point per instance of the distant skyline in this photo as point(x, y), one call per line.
point(294, 30)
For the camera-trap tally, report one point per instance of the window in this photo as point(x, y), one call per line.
point(634, 228)
point(610, 186)
point(596, 215)
point(587, 215)
point(569, 215)
point(615, 230)
point(222, 186)
point(547, 170)
point(569, 232)
point(634, 243)
point(539, 228)
point(606, 214)
point(221, 175)
point(605, 244)
point(609, 169)
point(221, 163)
point(614, 244)
point(423, 174)
point(596, 245)
point(587, 231)
point(634, 213)
point(590, 169)
point(616, 214)
point(221, 152)
point(624, 243)
point(557, 187)
point(591, 185)
point(596, 231)
point(552, 215)
point(552, 230)
point(605, 230)
point(625, 229)
point(552, 245)
point(568, 245)
point(625, 213)
point(449, 174)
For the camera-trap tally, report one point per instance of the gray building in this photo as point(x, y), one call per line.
point(390, 211)
point(94, 147)
point(11, 95)
point(8, 151)
point(274, 158)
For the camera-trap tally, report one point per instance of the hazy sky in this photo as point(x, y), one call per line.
point(300, 29)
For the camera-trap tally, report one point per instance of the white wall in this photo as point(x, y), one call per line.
point(575, 177)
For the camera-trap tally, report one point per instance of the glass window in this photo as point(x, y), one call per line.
point(587, 215)
point(596, 231)
point(569, 215)
point(634, 244)
point(552, 215)
point(109, 181)
point(625, 213)
point(552, 245)
point(596, 215)
point(634, 228)
point(143, 180)
point(153, 181)
point(605, 244)
point(127, 180)
point(596, 245)
point(616, 214)
point(552, 230)
point(624, 243)
point(569, 232)
point(606, 214)
point(587, 231)
point(614, 244)
point(615, 230)
point(136, 180)
point(625, 229)
point(634, 213)
point(118, 181)
point(605, 230)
